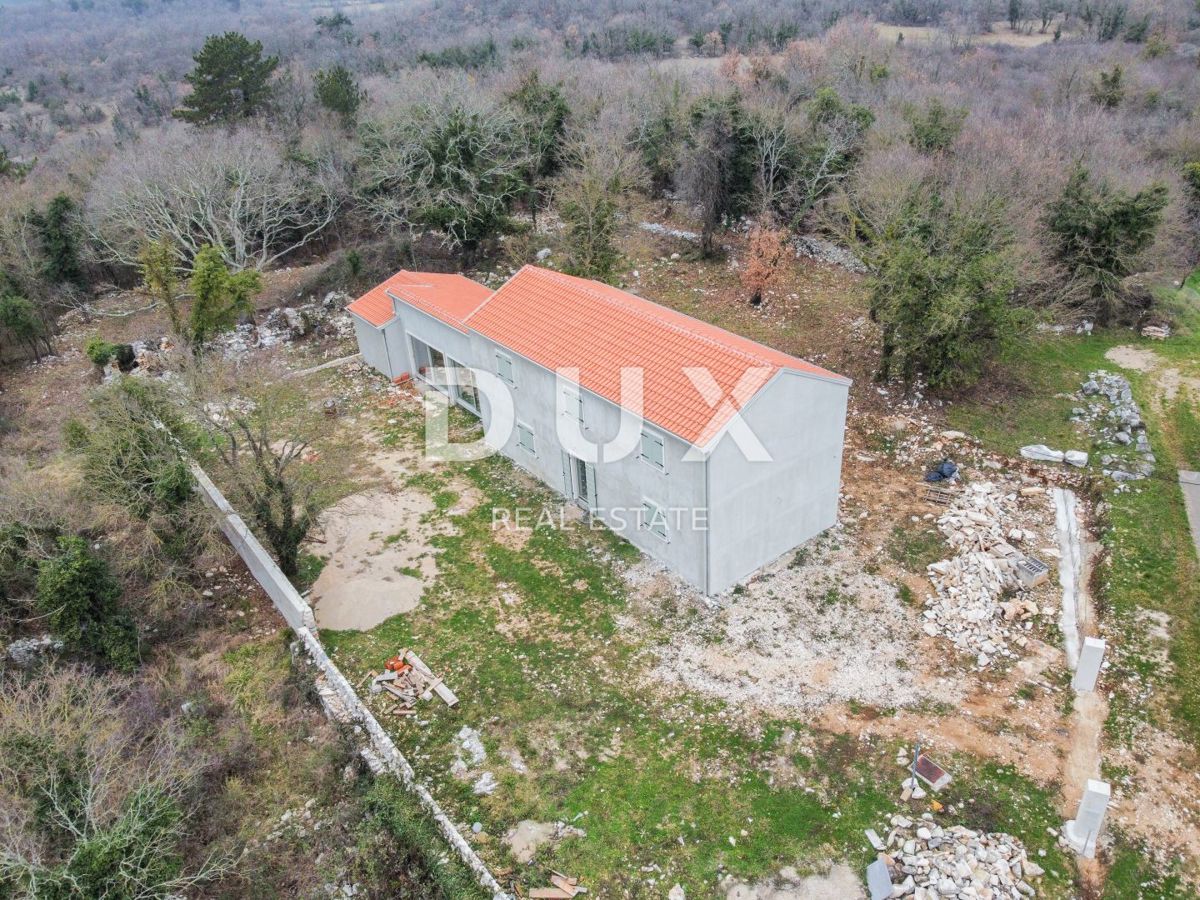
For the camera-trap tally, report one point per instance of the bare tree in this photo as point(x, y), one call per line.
point(238, 192)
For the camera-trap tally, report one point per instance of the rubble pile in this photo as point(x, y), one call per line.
point(1116, 419)
point(927, 861)
point(807, 245)
point(285, 324)
point(968, 607)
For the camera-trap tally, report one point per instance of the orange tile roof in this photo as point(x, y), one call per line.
point(559, 321)
point(449, 298)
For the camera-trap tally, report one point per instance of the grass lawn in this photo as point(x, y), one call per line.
point(536, 640)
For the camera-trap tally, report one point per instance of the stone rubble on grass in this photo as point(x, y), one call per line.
point(814, 248)
point(285, 324)
point(1115, 417)
point(26, 653)
point(968, 607)
point(927, 861)
point(656, 228)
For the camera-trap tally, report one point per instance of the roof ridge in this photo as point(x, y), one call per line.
point(584, 284)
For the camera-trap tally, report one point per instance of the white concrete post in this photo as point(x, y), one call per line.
point(1088, 670)
point(1083, 831)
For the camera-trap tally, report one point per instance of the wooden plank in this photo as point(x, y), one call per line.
point(550, 893)
point(441, 690)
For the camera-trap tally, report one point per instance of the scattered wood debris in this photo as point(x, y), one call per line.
point(939, 495)
point(564, 888)
point(407, 679)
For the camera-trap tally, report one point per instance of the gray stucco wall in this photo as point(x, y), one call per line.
point(434, 332)
point(727, 516)
point(371, 345)
point(622, 485)
point(760, 510)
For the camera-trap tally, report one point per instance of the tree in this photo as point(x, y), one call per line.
point(96, 804)
point(159, 278)
point(935, 128)
point(129, 445)
point(454, 164)
point(58, 230)
point(264, 481)
point(810, 160)
point(1191, 181)
point(241, 192)
point(220, 297)
point(600, 172)
point(1100, 234)
point(23, 325)
point(543, 112)
point(78, 595)
point(766, 251)
point(338, 91)
point(231, 81)
point(1108, 90)
point(717, 171)
point(942, 286)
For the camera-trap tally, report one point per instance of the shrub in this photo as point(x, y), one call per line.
point(936, 127)
point(99, 351)
point(78, 594)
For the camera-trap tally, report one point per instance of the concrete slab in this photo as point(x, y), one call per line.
point(1189, 483)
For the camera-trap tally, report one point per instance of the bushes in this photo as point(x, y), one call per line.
point(935, 128)
point(78, 594)
point(94, 806)
point(101, 352)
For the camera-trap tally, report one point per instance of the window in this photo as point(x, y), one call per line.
point(525, 437)
point(654, 519)
point(652, 450)
point(572, 404)
point(504, 368)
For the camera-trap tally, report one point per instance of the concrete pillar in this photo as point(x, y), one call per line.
point(1088, 670)
point(1083, 831)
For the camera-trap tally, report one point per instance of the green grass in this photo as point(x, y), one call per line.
point(529, 638)
point(1131, 877)
point(1152, 560)
point(916, 546)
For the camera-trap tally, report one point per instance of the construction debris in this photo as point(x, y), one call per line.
point(407, 679)
point(564, 888)
point(927, 861)
point(968, 607)
point(1042, 453)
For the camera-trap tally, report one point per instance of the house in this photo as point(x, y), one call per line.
point(734, 459)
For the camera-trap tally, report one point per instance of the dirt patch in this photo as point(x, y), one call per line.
point(1168, 380)
point(523, 840)
point(378, 555)
point(839, 883)
point(1136, 359)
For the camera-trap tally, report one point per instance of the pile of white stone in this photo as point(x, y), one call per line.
point(285, 324)
point(928, 861)
point(968, 607)
point(1115, 416)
